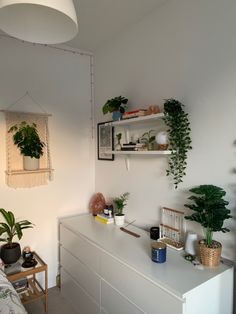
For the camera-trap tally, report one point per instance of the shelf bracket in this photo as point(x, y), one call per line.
point(127, 162)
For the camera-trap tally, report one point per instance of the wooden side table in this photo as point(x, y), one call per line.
point(35, 291)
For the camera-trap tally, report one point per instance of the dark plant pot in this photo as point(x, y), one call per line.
point(10, 254)
point(116, 115)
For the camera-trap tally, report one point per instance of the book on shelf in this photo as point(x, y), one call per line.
point(133, 146)
point(134, 113)
point(21, 285)
point(104, 219)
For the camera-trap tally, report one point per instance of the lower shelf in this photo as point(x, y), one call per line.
point(28, 171)
point(33, 292)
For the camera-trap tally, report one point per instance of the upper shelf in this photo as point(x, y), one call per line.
point(137, 120)
point(140, 152)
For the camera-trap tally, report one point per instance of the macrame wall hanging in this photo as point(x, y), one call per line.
point(16, 176)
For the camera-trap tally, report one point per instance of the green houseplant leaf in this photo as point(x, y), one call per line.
point(179, 139)
point(210, 209)
point(115, 104)
point(12, 228)
point(26, 138)
point(120, 202)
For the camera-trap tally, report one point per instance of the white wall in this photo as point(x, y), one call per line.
point(60, 82)
point(186, 50)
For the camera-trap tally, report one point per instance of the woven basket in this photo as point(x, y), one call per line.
point(209, 256)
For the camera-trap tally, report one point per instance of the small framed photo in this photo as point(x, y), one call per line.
point(105, 141)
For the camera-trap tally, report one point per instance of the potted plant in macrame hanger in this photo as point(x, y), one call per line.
point(120, 202)
point(179, 139)
point(117, 106)
point(11, 251)
point(210, 212)
point(27, 139)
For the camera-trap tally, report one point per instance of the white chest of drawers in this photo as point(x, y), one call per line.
point(104, 270)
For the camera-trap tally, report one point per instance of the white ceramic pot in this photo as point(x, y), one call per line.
point(119, 220)
point(30, 163)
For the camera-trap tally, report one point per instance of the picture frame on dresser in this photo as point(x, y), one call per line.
point(105, 141)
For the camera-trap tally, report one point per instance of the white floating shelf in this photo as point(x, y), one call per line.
point(136, 120)
point(141, 152)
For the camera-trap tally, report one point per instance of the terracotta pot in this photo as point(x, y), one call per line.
point(210, 256)
point(10, 255)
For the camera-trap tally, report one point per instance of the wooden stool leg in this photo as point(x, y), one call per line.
point(46, 290)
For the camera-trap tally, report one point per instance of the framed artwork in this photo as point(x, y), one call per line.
point(105, 141)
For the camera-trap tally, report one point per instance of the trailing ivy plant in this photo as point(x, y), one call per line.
point(179, 138)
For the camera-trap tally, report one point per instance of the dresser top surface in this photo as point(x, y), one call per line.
point(176, 274)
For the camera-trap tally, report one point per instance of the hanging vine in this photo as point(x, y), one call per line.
point(179, 139)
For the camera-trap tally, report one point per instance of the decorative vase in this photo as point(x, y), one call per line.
point(119, 219)
point(162, 140)
point(10, 255)
point(30, 163)
point(191, 243)
point(210, 256)
point(118, 146)
point(116, 115)
point(150, 146)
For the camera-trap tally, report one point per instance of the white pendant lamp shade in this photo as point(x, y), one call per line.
point(39, 21)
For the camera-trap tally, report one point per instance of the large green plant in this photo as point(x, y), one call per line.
point(26, 138)
point(12, 228)
point(210, 209)
point(179, 138)
point(115, 104)
point(120, 203)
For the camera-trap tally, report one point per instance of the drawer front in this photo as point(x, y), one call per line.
point(86, 278)
point(81, 302)
point(150, 298)
point(114, 303)
point(86, 252)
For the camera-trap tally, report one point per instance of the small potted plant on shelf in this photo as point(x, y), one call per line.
point(120, 202)
point(11, 251)
point(27, 139)
point(179, 138)
point(117, 106)
point(210, 211)
point(148, 138)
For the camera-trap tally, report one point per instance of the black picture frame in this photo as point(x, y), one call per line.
point(105, 141)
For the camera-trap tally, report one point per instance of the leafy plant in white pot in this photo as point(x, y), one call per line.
point(120, 203)
point(27, 139)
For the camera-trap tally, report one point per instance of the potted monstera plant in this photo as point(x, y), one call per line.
point(210, 212)
point(27, 139)
point(120, 203)
point(11, 251)
point(116, 105)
